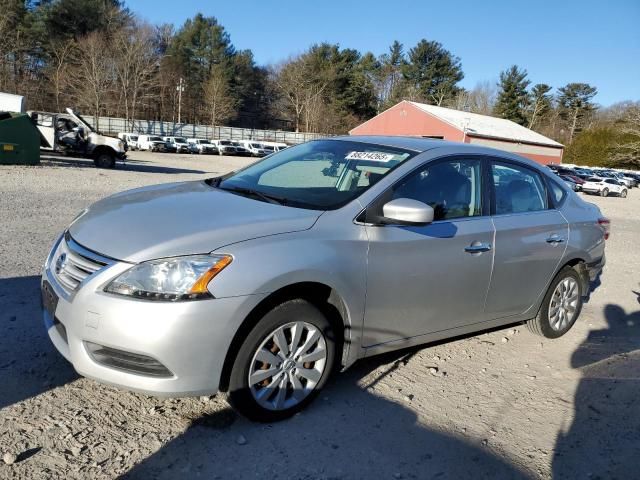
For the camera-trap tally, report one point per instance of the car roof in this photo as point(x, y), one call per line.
point(420, 145)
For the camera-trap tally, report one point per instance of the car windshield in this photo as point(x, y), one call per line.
point(320, 175)
point(180, 140)
point(594, 179)
point(203, 142)
point(133, 138)
point(255, 145)
point(155, 139)
point(225, 142)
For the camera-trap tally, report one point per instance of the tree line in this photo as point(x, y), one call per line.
point(97, 56)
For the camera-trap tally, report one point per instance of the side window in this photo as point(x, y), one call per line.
point(557, 192)
point(518, 189)
point(452, 188)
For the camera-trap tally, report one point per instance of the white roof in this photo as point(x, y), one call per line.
point(486, 126)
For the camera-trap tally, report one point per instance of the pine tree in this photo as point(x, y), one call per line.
point(575, 105)
point(432, 72)
point(512, 96)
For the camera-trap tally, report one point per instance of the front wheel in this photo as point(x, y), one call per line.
point(623, 194)
point(561, 305)
point(105, 160)
point(283, 362)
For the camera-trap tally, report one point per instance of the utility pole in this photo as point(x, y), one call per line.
point(180, 89)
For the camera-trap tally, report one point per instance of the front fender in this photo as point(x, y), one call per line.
point(321, 255)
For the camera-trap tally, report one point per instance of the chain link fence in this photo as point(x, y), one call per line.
point(113, 126)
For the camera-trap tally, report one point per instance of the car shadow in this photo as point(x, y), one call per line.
point(350, 431)
point(129, 165)
point(603, 440)
point(29, 363)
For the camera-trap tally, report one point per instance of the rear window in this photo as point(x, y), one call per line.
point(557, 192)
point(518, 189)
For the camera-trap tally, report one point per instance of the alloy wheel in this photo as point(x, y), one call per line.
point(564, 303)
point(287, 365)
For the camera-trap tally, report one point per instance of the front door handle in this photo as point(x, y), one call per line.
point(478, 247)
point(555, 239)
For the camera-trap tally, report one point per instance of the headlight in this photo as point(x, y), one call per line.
point(171, 279)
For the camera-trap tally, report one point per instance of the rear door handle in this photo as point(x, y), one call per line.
point(555, 239)
point(478, 247)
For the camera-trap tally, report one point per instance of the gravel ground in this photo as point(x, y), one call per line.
point(502, 404)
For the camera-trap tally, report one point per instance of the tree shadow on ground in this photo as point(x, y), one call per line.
point(348, 432)
point(604, 439)
point(29, 363)
point(129, 165)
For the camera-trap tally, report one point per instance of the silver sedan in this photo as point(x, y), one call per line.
point(264, 281)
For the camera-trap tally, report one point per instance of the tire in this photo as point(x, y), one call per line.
point(265, 400)
point(105, 160)
point(549, 322)
point(623, 194)
point(604, 192)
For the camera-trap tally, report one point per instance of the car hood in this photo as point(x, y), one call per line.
point(180, 219)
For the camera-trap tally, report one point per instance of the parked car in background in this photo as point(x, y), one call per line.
point(584, 173)
point(265, 281)
point(572, 183)
point(225, 147)
point(130, 140)
point(629, 182)
point(201, 146)
point(256, 149)
point(152, 143)
point(604, 187)
point(275, 146)
point(241, 150)
point(179, 143)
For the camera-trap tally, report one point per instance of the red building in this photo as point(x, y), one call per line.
point(429, 121)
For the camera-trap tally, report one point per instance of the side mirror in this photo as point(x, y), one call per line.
point(405, 211)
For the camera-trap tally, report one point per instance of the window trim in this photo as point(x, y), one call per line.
point(374, 208)
point(552, 201)
point(509, 161)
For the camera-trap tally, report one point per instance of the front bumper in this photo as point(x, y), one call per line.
point(190, 339)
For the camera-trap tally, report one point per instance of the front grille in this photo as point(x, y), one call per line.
point(127, 361)
point(72, 264)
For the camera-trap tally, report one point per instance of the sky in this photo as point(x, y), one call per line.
point(557, 42)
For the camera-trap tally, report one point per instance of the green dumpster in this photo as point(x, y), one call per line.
point(19, 140)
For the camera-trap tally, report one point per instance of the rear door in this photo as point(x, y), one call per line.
point(530, 240)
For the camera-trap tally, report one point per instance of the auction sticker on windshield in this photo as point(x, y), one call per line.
point(371, 156)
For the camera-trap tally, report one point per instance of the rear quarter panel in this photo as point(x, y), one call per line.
point(586, 237)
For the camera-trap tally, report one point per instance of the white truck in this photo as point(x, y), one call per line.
point(130, 140)
point(153, 143)
point(199, 145)
point(69, 134)
point(255, 148)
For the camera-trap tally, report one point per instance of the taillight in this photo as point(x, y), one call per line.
point(605, 223)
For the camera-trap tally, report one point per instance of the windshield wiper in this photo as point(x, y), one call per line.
point(255, 193)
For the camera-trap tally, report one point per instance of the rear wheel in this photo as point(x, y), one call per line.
point(283, 363)
point(604, 192)
point(105, 160)
point(561, 305)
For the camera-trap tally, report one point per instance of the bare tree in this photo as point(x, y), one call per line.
point(61, 54)
point(627, 152)
point(135, 64)
point(291, 82)
point(94, 76)
point(221, 104)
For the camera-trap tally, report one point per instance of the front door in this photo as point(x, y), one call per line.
point(424, 279)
